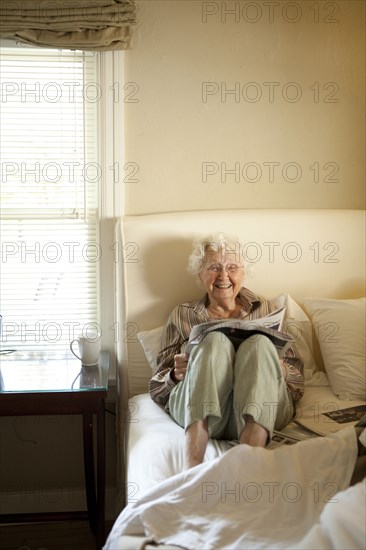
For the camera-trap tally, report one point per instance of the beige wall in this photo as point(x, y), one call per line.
point(301, 144)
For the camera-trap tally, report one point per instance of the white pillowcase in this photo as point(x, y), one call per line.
point(340, 328)
point(296, 323)
point(150, 341)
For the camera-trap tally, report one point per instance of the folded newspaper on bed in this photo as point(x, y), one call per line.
point(238, 330)
point(290, 434)
point(332, 420)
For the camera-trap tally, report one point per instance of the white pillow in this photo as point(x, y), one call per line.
point(150, 341)
point(297, 324)
point(340, 328)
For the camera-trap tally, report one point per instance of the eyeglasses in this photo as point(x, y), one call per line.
point(230, 268)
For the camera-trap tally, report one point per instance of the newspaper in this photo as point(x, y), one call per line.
point(329, 422)
point(238, 330)
point(290, 434)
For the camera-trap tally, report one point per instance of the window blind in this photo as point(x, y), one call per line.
point(49, 197)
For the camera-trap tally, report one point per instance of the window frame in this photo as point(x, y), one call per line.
point(111, 191)
point(111, 199)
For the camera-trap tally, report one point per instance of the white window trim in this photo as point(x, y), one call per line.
point(111, 199)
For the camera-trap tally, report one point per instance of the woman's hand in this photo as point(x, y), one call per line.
point(180, 366)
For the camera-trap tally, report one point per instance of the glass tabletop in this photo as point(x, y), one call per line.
point(23, 372)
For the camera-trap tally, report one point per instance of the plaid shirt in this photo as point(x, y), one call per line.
point(176, 335)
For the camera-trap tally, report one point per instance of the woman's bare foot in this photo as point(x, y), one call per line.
point(253, 433)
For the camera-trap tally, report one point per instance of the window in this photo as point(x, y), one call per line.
point(50, 178)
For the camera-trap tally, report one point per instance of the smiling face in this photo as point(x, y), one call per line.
point(222, 285)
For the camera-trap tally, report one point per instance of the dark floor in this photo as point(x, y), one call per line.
point(62, 535)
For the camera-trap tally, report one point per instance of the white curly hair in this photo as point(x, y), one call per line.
point(215, 242)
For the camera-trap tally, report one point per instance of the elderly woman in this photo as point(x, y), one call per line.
point(221, 390)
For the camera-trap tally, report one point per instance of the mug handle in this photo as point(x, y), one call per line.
point(71, 344)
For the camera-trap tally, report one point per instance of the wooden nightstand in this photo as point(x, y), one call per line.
point(48, 386)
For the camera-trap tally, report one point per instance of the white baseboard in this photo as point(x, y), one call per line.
point(60, 499)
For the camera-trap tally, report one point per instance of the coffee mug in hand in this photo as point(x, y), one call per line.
point(89, 349)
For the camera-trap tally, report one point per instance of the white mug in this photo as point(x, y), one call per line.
point(89, 349)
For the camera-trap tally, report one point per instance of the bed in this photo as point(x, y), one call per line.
point(311, 261)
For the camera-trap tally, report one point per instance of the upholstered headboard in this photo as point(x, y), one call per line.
point(305, 253)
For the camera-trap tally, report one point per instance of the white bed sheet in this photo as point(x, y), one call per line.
point(258, 499)
point(155, 448)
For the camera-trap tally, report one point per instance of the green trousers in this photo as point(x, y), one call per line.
point(224, 386)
